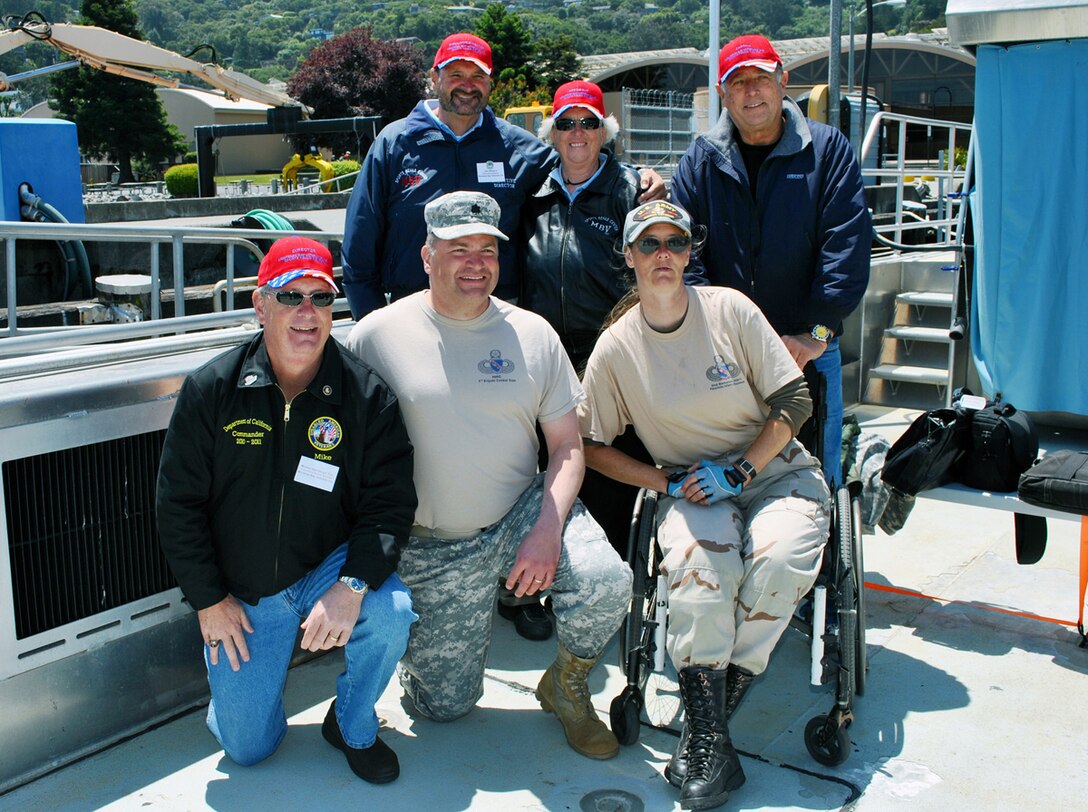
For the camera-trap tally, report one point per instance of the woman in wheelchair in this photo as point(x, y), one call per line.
point(716, 398)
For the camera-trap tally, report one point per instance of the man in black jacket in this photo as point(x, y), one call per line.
point(284, 494)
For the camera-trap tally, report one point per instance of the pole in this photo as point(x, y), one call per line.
point(850, 61)
point(713, 47)
point(834, 65)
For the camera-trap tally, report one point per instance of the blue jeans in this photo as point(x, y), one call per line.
point(830, 364)
point(246, 713)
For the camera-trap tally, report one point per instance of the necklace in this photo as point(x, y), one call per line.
point(570, 182)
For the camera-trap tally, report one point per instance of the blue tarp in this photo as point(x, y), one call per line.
point(1030, 298)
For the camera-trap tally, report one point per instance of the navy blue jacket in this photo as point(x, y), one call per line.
point(800, 249)
point(412, 162)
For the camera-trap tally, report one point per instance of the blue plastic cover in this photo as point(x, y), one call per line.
point(1030, 298)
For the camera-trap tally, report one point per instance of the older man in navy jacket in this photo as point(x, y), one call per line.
point(782, 199)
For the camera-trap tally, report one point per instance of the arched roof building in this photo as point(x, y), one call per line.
point(918, 74)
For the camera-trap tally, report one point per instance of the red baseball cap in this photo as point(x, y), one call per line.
point(751, 49)
point(294, 257)
point(578, 94)
point(468, 47)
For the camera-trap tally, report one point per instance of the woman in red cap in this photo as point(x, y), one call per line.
point(572, 272)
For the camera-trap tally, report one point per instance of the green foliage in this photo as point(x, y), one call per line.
point(510, 43)
point(181, 180)
point(345, 167)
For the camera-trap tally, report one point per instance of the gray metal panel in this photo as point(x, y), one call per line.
point(976, 22)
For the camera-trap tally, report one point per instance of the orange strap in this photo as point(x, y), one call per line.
point(1081, 595)
point(1083, 577)
point(911, 593)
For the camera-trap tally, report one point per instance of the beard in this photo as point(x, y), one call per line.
point(462, 104)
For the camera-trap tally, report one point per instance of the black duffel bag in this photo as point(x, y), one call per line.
point(1001, 444)
point(926, 454)
point(1059, 480)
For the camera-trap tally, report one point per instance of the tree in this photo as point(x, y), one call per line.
point(555, 62)
point(116, 118)
point(356, 75)
point(510, 41)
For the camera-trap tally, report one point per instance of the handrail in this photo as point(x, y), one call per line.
point(154, 237)
point(949, 202)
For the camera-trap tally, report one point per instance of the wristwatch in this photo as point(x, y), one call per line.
point(746, 468)
point(821, 332)
point(354, 584)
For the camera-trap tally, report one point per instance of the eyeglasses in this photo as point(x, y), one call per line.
point(568, 124)
point(651, 245)
point(293, 298)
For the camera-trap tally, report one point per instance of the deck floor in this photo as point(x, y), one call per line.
point(966, 709)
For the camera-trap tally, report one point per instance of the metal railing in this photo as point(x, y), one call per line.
point(155, 237)
point(895, 169)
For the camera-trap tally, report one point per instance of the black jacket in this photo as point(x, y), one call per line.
point(233, 516)
point(571, 273)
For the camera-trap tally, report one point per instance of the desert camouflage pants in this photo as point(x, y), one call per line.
point(737, 570)
point(454, 587)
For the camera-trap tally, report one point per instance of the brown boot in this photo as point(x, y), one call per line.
point(564, 691)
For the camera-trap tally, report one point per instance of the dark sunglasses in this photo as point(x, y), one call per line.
point(651, 245)
point(568, 124)
point(293, 298)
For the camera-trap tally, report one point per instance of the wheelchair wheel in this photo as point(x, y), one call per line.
point(846, 588)
point(624, 715)
point(827, 742)
point(652, 684)
point(861, 663)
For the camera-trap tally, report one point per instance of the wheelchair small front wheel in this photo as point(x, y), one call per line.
point(830, 748)
point(624, 714)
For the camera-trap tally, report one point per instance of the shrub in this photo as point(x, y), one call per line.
point(181, 180)
point(189, 158)
point(344, 168)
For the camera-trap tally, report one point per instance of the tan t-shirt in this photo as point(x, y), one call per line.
point(695, 393)
point(471, 393)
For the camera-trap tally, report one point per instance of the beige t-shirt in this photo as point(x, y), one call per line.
point(471, 393)
point(695, 393)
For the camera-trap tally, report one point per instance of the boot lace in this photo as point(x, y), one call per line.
point(576, 683)
point(702, 736)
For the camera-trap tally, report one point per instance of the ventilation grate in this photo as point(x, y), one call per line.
point(81, 531)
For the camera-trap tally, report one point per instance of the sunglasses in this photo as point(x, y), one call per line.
point(651, 245)
point(568, 124)
point(293, 298)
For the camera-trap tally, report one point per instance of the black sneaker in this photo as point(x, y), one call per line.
point(377, 764)
point(530, 620)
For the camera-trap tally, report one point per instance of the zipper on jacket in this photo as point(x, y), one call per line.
point(563, 267)
point(283, 489)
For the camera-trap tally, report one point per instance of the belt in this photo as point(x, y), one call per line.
point(419, 531)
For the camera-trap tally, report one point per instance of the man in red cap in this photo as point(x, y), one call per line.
point(284, 494)
point(787, 222)
point(453, 142)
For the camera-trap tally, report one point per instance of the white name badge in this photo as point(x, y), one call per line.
point(317, 474)
point(491, 172)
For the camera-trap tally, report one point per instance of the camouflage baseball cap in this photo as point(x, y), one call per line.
point(459, 214)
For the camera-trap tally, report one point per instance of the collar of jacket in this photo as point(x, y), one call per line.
point(722, 137)
point(327, 383)
point(601, 184)
point(420, 121)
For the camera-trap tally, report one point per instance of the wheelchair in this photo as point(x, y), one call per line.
point(832, 616)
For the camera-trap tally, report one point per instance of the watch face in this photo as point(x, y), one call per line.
point(821, 333)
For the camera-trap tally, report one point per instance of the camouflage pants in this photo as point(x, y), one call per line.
point(454, 586)
point(736, 570)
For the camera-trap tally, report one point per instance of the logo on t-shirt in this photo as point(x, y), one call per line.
point(723, 373)
point(603, 224)
point(495, 366)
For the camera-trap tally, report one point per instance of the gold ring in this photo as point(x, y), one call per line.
point(541, 580)
point(213, 644)
point(334, 637)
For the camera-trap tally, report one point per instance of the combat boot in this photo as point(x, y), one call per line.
point(713, 766)
point(564, 691)
point(737, 683)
